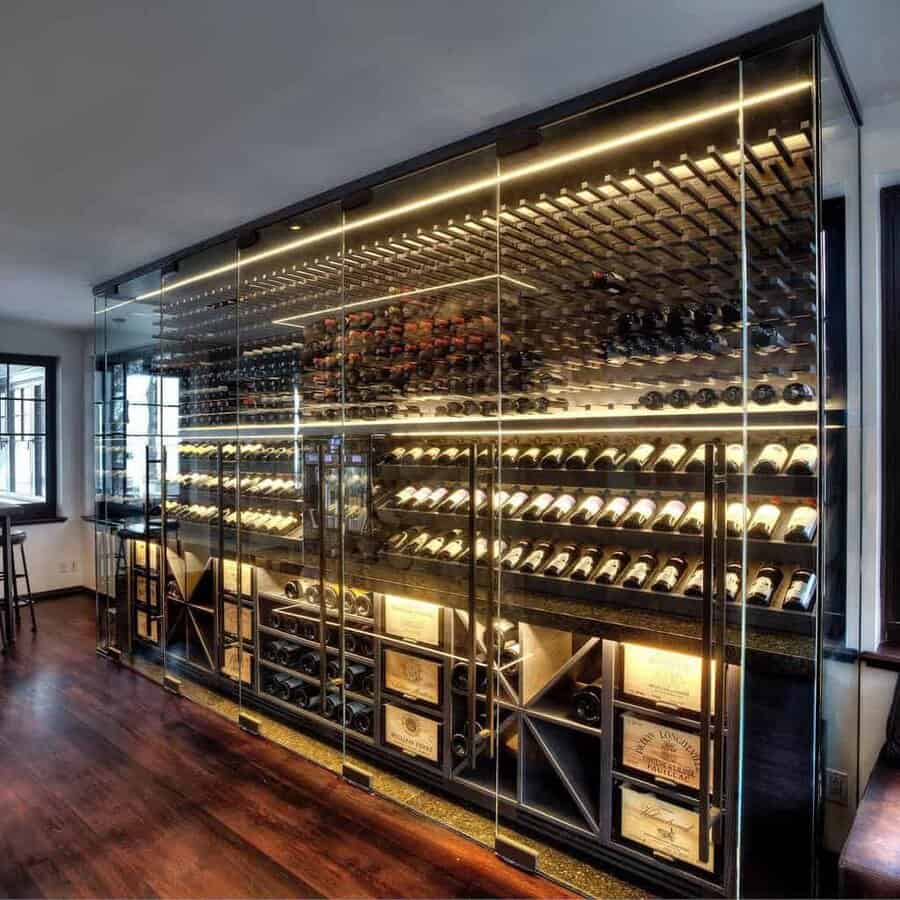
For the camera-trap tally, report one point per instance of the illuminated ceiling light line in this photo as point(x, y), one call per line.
point(289, 320)
point(493, 181)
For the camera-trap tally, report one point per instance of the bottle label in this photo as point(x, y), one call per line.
point(672, 511)
point(736, 517)
point(534, 558)
point(766, 517)
point(696, 580)
point(437, 495)
point(642, 453)
point(564, 504)
point(458, 497)
point(799, 592)
point(762, 585)
point(807, 454)
point(668, 576)
point(515, 555)
point(454, 548)
point(559, 562)
point(541, 502)
point(802, 517)
point(610, 568)
point(517, 499)
point(774, 454)
point(616, 507)
point(589, 507)
point(584, 565)
point(643, 509)
point(673, 453)
point(732, 584)
point(638, 572)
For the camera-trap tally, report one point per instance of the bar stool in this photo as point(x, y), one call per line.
point(17, 539)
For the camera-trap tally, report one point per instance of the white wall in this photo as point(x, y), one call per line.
point(68, 543)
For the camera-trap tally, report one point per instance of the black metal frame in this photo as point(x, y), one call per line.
point(49, 509)
point(801, 25)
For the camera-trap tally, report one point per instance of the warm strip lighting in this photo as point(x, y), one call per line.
point(634, 137)
point(288, 320)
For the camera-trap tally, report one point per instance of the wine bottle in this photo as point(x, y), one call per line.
point(459, 743)
point(669, 575)
point(697, 461)
point(797, 392)
point(653, 400)
point(395, 455)
point(536, 557)
point(764, 586)
point(430, 455)
point(447, 456)
point(331, 708)
point(679, 398)
point(771, 460)
point(530, 458)
point(801, 592)
point(587, 510)
point(515, 555)
point(706, 398)
point(694, 586)
point(580, 457)
point(766, 339)
point(764, 394)
point(553, 458)
point(669, 516)
point(639, 457)
point(763, 523)
point(612, 512)
point(273, 685)
point(733, 580)
point(803, 460)
point(587, 562)
point(275, 619)
point(454, 501)
point(362, 717)
point(413, 455)
point(670, 458)
point(695, 518)
point(561, 560)
point(640, 513)
point(610, 458)
point(537, 507)
point(587, 704)
point(289, 655)
point(514, 503)
point(560, 509)
point(365, 604)
point(640, 570)
point(801, 526)
point(612, 567)
point(509, 456)
point(353, 676)
point(734, 458)
point(459, 676)
point(733, 395)
point(311, 662)
point(737, 515)
point(433, 500)
point(434, 545)
point(292, 590)
point(293, 690)
point(412, 500)
point(453, 546)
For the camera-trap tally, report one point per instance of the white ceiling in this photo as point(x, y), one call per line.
point(132, 129)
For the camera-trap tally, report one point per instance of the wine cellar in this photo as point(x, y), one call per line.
point(518, 472)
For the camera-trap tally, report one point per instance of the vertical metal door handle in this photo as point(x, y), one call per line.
point(706, 649)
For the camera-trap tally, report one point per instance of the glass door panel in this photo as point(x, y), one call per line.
point(198, 415)
point(291, 352)
point(840, 472)
point(127, 416)
point(784, 388)
point(621, 385)
point(420, 391)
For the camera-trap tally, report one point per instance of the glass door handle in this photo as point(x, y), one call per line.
point(721, 655)
point(472, 703)
point(706, 648)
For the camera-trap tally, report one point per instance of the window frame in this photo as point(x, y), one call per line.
point(47, 509)
point(890, 418)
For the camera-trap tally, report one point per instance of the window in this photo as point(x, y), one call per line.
point(890, 431)
point(28, 433)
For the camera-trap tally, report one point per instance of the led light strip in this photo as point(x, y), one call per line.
point(289, 320)
point(482, 184)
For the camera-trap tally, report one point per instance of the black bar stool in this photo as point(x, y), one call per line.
point(17, 539)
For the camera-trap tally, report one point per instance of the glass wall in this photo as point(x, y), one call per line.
point(506, 477)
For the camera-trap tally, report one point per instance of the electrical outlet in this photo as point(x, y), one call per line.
point(837, 787)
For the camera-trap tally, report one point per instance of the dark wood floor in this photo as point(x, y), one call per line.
point(111, 787)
